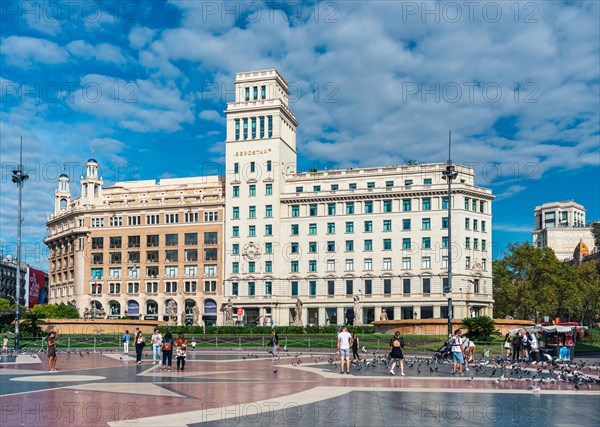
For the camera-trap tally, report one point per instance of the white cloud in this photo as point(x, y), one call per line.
point(103, 52)
point(140, 37)
point(212, 115)
point(26, 51)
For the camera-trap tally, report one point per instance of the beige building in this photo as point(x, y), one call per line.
point(317, 240)
point(561, 226)
point(135, 247)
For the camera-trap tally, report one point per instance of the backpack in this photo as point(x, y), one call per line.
point(123, 339)
point(167, 345)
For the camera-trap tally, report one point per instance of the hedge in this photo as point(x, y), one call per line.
point(264, 330)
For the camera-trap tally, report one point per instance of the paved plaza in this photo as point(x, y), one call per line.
point(239, 387)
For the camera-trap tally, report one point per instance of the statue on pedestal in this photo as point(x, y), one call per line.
point(357, 311)
point(228, 313)
point(383, 316)
point(196, 315)
point(171, 313)
point(298, 314)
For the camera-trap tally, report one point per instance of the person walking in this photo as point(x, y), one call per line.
point(181, 345)
point(140, 343)
point(5, 343)
point(52, 340)
point(125, 340)
point(526, 345)
point(516, 347)
point(507, 345)
point(156, 343)
point(194, 344)
point(274, 344)
point(344, 342)
point(355, 345)
point(167, 351)
point(466, 342)
point(534, 352)
point(396, 345)
point(457, 353)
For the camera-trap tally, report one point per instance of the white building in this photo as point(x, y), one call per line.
point(323, 237)
point(561, 226)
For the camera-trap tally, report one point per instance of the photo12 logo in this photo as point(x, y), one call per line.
point(73, 11)
point(54, 92)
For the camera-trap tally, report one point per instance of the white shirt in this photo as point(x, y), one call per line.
point(534, 343)
point(344, 339)
point(455, 342)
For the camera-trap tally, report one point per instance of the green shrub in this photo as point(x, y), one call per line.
point(186, 330)
point(481, 328)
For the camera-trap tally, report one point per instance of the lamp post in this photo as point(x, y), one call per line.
point(449, 174)
point(19, 177)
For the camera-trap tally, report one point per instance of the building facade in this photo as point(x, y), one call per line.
point(561, 226)
point(8, 278)
point(134, 248)
point(317, 240)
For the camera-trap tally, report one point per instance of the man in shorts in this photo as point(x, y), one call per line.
point(344, 342)
point(457, 352)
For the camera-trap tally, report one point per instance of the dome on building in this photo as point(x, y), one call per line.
point(92, 160)
point(63, 175)
point(581, 250)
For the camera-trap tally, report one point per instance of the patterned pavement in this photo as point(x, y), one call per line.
point(250, 389)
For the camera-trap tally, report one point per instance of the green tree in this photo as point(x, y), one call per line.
point(411, 162)
point(587, 282)
point(51, 311)
point(480, 328)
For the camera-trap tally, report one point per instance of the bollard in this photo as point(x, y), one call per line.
point(240, 343)
point(216, 341)
point(94, 343)
point(69, 343)
point(308, 342)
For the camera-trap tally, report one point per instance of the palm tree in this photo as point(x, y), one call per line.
point(411, 162)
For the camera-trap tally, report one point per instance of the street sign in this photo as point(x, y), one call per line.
point(240, 311)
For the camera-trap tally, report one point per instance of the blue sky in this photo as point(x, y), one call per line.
point(373, 83)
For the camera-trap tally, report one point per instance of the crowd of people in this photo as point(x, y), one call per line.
point(523, 345)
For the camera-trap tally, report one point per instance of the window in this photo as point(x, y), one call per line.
point(133, 241)
point(190, 286)
point(408, 182)
point(331, 228)
point(387, 206)
point(235, 267)
point(481, 206)
point(349, 208)
point(294, 230)
point(349, 265)
point(370, 185)
point(406, 263)
point(406, 286)
point(268, 230)
point(330, 208)
point(330, 246)
point(295, 210)
point(208, 217)
point(316, 188)
point(312, 265)
point(426, 262)
point(483, 245)
point(270, 124)
point(247, 94)
point(97, 273)
point(467, 243)
point(299, 189)
point(235, 231)
point(330, 287)
point(426, 223)
point(483, 264)
point(312, 288)
point(268, 288)
point(475, 224)
point(133, 272)
point(263, 91)
point(268, 248)
point(406, 243)
point(268, 189)
point(368, 226)
point(476, 286)
point(368, 207)
point(349, 245)
point(269, 211)
point(262, 126)
point(387, 225)
point(133, 257)
point(115, 221)
point(349, 287)
point(98, 222)
point(387, 286)
point(483, 226)
point(191, 270)
point(294, 247)
point(427, 204)
point(268, 266)
point(251, 267)
point(115, 288)
point(294, 267)
point(368, 245)
point(210, 286)
point(350, 227)
point(171, 218)
point(97, 242)
point(427, 181)
point(115, 258)
point(426, 285)
point(236, 213)
point(133, 288)
point(445, 261)
point(389, 184)
point(294, 288)
point(468, 262)
point(312, 210)
point(352, 186)
point(368, 264)
point(312, 247)
point(426, 243)
point(445, 242)
point(475, 244)
point(335, 187)
point(466, 203)
point(152, 219)
point(114, 273)
point(474, 205)
point(330, 265)
point(255, 93)
point(406, 224)
point(234, 288)
point(251, 211)
point(444, 202)
point(387, 244)
point(171, 256)
point(387, 263)
point(116, 242)
point(444, 222)
point(191, 238)
point(211, 237)
point(252, 230)
point(236, 168)
point(467, 223)
point(312, 228)
point(210, 270)
point(252, 190)
point(210, 254)
point(406, 205)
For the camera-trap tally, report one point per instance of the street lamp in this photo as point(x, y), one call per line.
point(449, 174)
point(18, 177)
